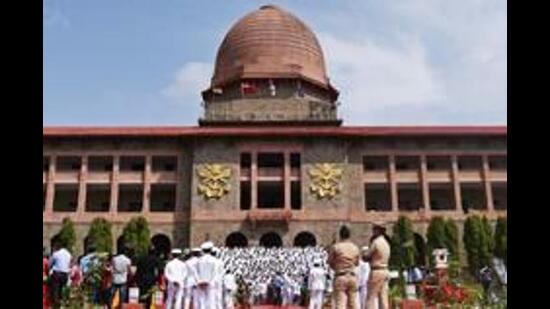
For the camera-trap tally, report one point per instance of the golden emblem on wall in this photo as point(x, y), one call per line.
point(325, 180)
point(213, 180)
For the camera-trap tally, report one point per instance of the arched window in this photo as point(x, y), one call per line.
point(236, 240)
point(305, 239)
point(270, 240)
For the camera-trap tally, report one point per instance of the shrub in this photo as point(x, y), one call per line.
point(451, 238)
point(403, 250)
point(100, 235)
point(436, 236)
point(136, 236)
point(501, 235)
point(67, 234)
point(478, 242)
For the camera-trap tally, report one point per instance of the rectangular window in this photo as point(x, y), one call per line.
point(469, 163)
point(270, 160)
point(409, 196)
point(473, 196)
point(295, 160)
point(377, 197)
point(498, 163)
point(271, 194)
point(375, 163)
point(245, 195)
point(163, 197)
point(100, 163)
point(68, 163)
point(98, 197)
point(164, 163)
point(442, 196)
point(65, 198)
point(130, 198)
point(500, 195)
point(407, 163)
point(45, 164)
point(132, 163)
point(246, 163)
point(296, 195)
point(438, 163)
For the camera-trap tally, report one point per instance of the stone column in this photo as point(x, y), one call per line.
point(425, 185)
point(286, 179)
point(456, 183)
point(114, 185)
point(50, 185)
point(254, 180)
point(393, 185)
point(147, 184)
point(486, 176)
point(179, 184)
point(82, 180)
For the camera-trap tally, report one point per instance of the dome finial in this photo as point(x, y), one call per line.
point(268, 6)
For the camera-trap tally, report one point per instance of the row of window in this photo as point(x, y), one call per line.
point(470, 162)
point(105, 163)
point(98, 198)
point(442, 197)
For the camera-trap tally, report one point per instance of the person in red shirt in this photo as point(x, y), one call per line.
point(45, 274)
point(107, 282)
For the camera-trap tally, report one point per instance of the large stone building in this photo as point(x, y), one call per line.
point(270, 162)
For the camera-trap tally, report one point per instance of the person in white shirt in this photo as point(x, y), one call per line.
point(175, 272)
point(316, 285)
point(229, 289)
point(217, 285)
point(121, 268)
point(192, 294)
point(206, 268)
point(363, 272)
point(60, 267)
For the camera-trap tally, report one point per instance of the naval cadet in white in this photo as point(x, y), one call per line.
point(175, 272)
point(191, 282)
point(363, 272)
point(316, 285)
point(217, 285)
point(206, 267)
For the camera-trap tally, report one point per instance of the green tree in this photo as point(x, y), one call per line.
point(488, 232)
point(136, 236)
point(477, 242)
point(501, 242)
point(100, 235)
point(67, 234)
point(451, 238)
point(471, 239)
point(402, 241)
point(436, 236)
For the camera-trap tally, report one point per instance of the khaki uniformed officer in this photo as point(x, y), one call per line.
point(378, 255)
point(343, 259)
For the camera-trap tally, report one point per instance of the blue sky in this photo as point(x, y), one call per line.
point(399, 62)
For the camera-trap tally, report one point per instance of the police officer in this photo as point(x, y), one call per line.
point(378, 255)
point(343, 259)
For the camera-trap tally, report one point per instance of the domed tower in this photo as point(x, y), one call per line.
point(270, 69)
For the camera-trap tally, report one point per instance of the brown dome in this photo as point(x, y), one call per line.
point(270, 43)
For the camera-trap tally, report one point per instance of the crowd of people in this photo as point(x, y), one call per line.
point(214, 278)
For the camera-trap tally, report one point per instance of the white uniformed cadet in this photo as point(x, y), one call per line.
point(175, 272)
point(217, 286)
point(206, 268)
point(229, 290)
point(316, 285)
point(191, 282)
point(363, 272)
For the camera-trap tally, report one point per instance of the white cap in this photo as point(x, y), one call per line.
point(196, 249)
point(176, 251)
point(365, 248)
point(317, 262)
point(207, 245)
